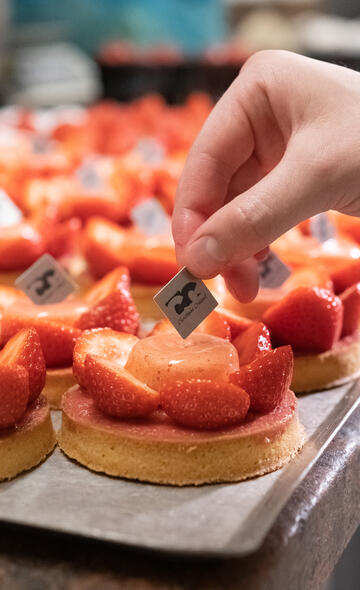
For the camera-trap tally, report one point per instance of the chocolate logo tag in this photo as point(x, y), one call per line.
point(186, 302)
point(46, 281)
point(273, 272)
point(9, 212)
point(151, 218)
point(322, 228)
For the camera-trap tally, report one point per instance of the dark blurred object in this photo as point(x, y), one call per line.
point(129, 71)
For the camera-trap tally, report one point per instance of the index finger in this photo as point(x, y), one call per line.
point(225, 142)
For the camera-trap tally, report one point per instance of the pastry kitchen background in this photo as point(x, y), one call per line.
point(100, 102)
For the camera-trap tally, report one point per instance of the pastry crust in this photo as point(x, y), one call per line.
point(341, 364)
point(29, 442)
point(157, 450)
point(57, 382)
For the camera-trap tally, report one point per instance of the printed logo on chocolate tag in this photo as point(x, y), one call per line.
point(322, 228)
point(89, 177)
point(151, 218)
point(273, 272)
point(151, 150)
point(46, 281)
point(186, 302)
point(9, 212)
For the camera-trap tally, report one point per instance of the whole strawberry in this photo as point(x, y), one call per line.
point(14, 394)
point(308, 318)
point(351, 302)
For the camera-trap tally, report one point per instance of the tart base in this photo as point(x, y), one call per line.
point(29, 442)
point(57, 382)
point(8, 278)
point(341, 364)
point(158, 451)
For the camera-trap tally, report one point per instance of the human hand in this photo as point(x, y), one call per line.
point(282, 144)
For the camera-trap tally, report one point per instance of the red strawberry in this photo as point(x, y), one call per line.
point(237, 323)
point(351, 303)
point(106, 246)
point(104, 342)
point(267, 378)
point(308, 318)
point(205, 404)
point(116, 280)
point(117, 392)
point(252, 343)
point(346, 276)
point(216, 325)
point(24, 349)
point(14, 394)
point(116, 310)
point(20, 246)
point(57, 340)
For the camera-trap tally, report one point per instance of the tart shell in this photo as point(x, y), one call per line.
point(29, 442)
point(57, 382)
point(339, 365)
point(158, 451)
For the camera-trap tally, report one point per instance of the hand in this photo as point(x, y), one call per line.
point(281, 145)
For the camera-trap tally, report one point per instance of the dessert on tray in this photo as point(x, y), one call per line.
point(26, 432)
point(107, 303)
point(182, 412)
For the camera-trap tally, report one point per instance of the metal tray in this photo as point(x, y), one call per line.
point(224, 520)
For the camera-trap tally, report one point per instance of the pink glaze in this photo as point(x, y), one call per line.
point(34, 416)
point(80, 408)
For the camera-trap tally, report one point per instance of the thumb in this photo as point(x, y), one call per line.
point(290, 193)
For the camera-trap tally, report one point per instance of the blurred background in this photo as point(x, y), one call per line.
point(80, 51)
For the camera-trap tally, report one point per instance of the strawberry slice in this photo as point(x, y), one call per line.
point(214, 324)
point(237, 323)
point(57, 340)
point(24, 349)
point(104, 342)
point(346, 276)
point(106, 246)
point(205, 404)
point(308, 318)
point(267, 378)
point(351, 303)
point(20, 246)
point(252, 343)
point(14, 394)
point(117, 392)
point(116, 310)
point(116, 280)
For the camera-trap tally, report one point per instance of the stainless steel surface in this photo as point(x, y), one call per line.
point(223, 520)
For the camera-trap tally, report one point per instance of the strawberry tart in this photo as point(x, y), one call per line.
point(107, 303)
point(26, 432)
point(181, 412)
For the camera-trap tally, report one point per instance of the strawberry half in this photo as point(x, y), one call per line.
point(117, 392)
point(351, 303)
point(24, 349)
point(116, 280)
point(14, 394)
point(252, 343)
point(308, 318)
point(116, 310)
point(57, 340)
point(267, 378)
point(205, 404)
point(237, 323)
point(346, 276)
point(104, 342)
point(20, 246)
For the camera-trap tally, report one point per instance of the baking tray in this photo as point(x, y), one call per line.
point(222, 520)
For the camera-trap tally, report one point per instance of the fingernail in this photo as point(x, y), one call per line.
point(205, 256)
